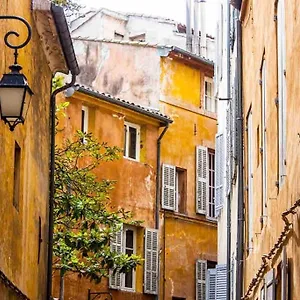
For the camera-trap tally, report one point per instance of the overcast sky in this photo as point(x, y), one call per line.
point(173, 9)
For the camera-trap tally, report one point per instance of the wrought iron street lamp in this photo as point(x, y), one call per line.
point(15, 93)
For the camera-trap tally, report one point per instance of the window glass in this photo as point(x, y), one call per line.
point(132, 142)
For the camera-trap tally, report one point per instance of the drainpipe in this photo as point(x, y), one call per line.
point(203, 41)
point(196, 28)
point(240, 161)
point(157, 206)
point(228, 258)
point(52, 170)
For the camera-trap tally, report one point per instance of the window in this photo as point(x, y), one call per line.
point(17, 176)
point(181, 190)
point(205, 181)
point(138, 37)
point(124, 242)
point(84, 120)
point(263, 149)
point(151, 261)
point(174, 182)
point(281, 66)
point(201, 267)
point(210, 102)
point(250, 181)
point(132, 141)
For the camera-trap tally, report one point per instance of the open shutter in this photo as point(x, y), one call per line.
point(116, 245)
point(151, 262)
point(221, 282)
point(211, 284)
point(228, 149)
point(270, 285)
point(219, 173)
point(168, 187)
point(201, 266)
point(201, 179)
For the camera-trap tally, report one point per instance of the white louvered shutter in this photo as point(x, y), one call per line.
point(211, 284)
point(221, 282)
point(219, 173)
point(116, 245)
point(151, 262)
point(201, 266)
point(270, 285)
point(168, 187)
point(202, 187)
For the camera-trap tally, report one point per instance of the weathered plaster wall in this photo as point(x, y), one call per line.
point(187, 237)
point(20, 227)
point(125, 71)
point(259, 36)
point(135, 181)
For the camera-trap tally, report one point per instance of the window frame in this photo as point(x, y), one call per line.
point(126, 141)
point(211, 97)
point(123, 275)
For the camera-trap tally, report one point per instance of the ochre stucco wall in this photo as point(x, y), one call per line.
point(135, 181)
point(259, 37)
point(19, 228)
point(189, 236)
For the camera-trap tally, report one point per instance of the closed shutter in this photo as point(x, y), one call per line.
point(221, 282)
point(270, 285)
point(168, 187)
point(151, 262)
point(201, 266)
point(228, 149)
point(116, 245)
point(219, 173)
point(211, 284)
point(201, 179)
point(284, 276)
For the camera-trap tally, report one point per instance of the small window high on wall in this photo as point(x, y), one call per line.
point(132, 141)
point(210, 102)
point(84, 121)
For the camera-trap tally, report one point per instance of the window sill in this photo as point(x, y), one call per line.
point(131, 159)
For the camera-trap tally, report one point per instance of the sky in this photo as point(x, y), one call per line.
point(173, 9)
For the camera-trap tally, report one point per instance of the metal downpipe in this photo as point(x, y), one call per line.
point(51, 183)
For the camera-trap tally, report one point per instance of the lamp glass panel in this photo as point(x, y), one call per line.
point(11, 101)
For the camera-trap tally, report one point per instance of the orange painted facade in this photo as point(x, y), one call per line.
point(184, 236)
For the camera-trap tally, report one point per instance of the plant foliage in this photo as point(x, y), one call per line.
point(84, 221)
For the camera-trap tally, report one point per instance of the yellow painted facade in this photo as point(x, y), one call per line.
point(20, 259)
point(186, 236)
point(260, 44)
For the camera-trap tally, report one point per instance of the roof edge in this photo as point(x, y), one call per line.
point(65, 38)
point(123, 103)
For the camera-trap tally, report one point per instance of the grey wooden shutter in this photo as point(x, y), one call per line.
point(116, 245)
point(168, 187)
point(151, 262)
point(201, 266)
point(284, 275)
point(211, 284)
point(228, 149)
point(221, 282)
point(270, 285)
point(219, 173)
point(202, 188)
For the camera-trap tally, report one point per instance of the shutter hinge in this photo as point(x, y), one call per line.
point(246, 188)
point(277, 183)
point(275, 18)
point(261, 149)
point(276, 101)
point(260, 82)
point(246, 128)
point(284, 72)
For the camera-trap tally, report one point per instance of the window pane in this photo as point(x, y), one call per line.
point(82, 120)
point(132, 142)
point(129, 239)
point(128, 279)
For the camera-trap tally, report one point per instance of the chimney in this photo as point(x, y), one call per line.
point(203, 44)
point(189, 37)
point(196, 27)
